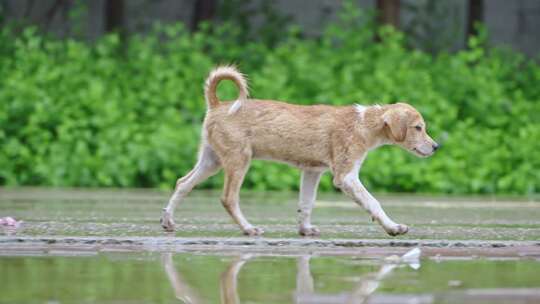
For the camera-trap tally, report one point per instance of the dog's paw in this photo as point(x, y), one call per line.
point(253, 231)
point(167, 222)
point(309, 231)
point(397, 229)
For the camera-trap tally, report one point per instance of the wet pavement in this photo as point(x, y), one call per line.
point(136, 213)
point(107, 246)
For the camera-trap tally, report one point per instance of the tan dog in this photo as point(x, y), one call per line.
point(313, 138)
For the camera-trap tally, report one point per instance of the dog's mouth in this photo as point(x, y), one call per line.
point(420, 152)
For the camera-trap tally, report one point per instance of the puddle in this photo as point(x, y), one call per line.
point(201, 278)
point(87, 246)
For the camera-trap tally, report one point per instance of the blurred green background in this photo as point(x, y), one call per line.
point(125, 109)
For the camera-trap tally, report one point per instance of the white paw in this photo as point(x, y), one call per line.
point(309, 231)
point(253, 231)
point(167, 222)
point(396, 229)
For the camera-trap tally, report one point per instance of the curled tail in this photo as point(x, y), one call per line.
point(218, 74)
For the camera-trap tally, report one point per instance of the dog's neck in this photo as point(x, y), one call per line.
point(371, 125)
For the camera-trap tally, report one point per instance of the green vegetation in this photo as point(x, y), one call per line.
point(128, 113)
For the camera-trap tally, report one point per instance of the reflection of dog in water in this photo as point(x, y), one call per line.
point(182, 290)
point(304, 280)
point(313, 138)
point(228, 281)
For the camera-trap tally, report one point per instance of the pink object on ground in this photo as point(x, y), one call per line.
point(9, 221)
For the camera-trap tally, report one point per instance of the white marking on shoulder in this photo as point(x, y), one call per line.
point(360, 109)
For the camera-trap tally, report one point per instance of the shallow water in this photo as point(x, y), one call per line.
point(199, 278)
point(86, 246)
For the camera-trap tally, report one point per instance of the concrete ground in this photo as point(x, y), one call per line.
point(131, 217)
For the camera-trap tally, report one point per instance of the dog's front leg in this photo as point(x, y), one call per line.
point(308, 192)
point(351, 185)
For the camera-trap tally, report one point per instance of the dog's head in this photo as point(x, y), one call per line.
point(404, 126)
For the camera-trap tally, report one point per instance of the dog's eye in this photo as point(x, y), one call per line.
point(418, 128)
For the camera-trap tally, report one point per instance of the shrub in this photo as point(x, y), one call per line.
point(128, 113)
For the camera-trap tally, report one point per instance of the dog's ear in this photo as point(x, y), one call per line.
point(396, 122)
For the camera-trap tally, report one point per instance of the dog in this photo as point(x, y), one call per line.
point(312, 138)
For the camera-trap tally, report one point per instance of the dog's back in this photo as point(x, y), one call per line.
point(273, 130)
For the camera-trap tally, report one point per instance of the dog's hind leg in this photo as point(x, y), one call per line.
point(207, 165)
point(235, 170)
point(308, 192)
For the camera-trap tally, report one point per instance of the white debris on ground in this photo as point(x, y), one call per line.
point(411, 257)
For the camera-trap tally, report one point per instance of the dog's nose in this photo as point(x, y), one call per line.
point(435, 147)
